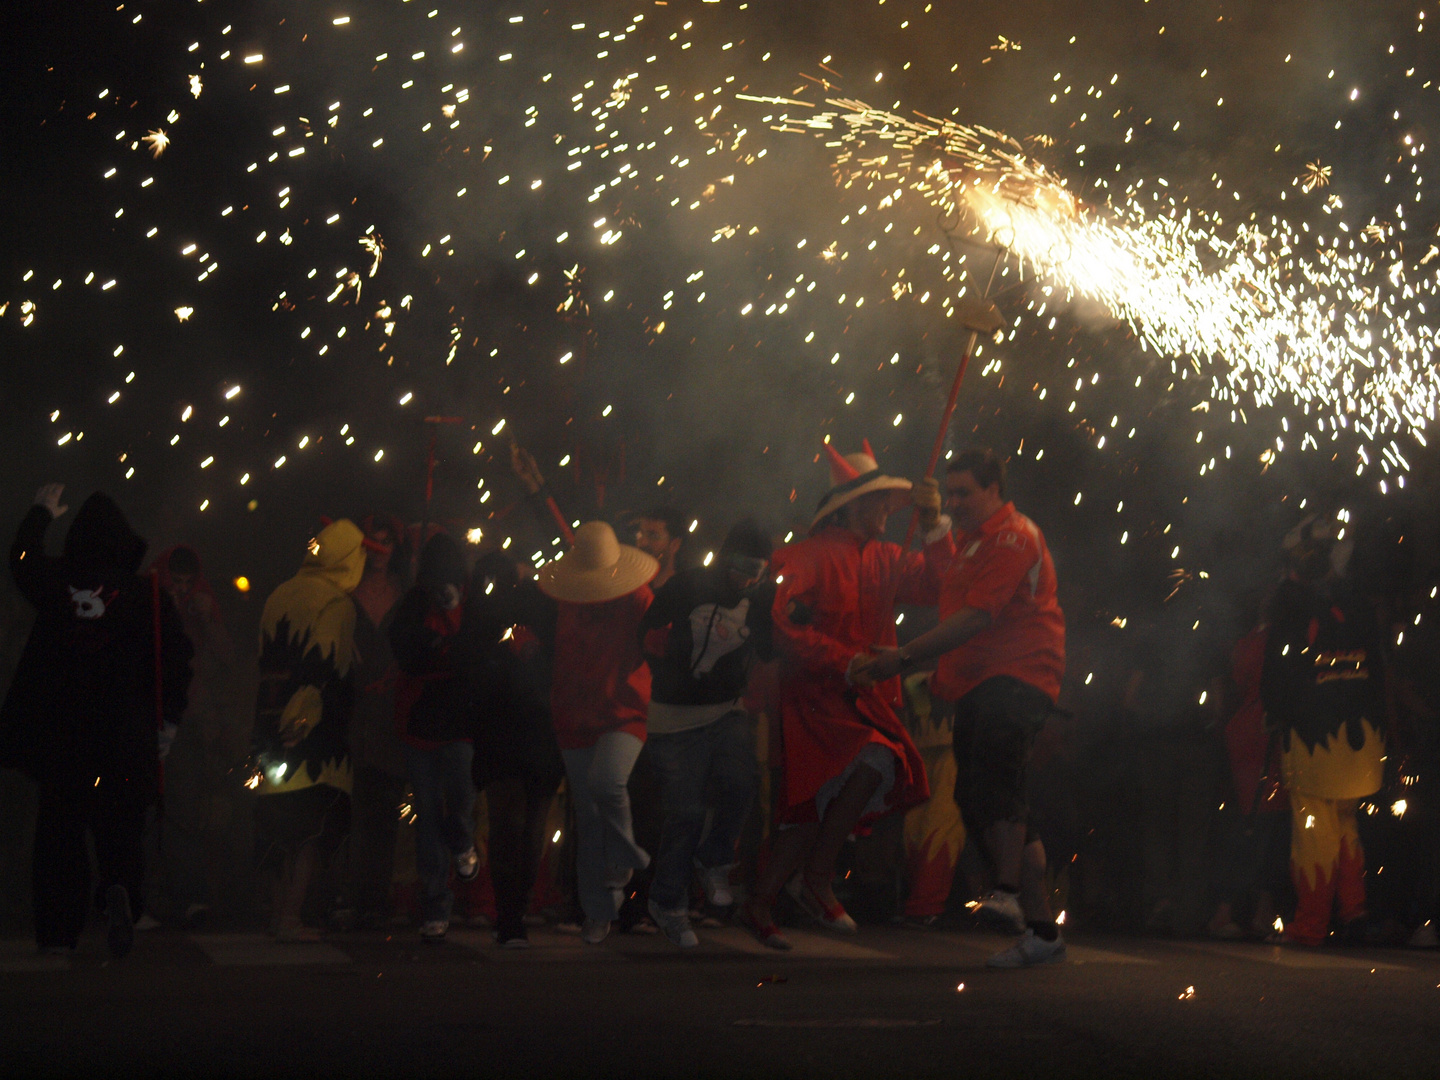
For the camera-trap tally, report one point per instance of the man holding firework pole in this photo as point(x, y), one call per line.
point(848, 758)
point(1001, 650)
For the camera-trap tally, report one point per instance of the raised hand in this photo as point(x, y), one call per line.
point(49, 497)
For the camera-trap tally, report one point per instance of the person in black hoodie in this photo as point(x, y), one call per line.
point(434, 710)
point(85, 709)
point(517, 760)
point(699, 636)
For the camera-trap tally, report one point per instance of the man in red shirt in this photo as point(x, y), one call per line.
point(1001, 650)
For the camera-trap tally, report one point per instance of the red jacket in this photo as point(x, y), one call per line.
point(601, 681)
point(835, 598)
point(1003, 568)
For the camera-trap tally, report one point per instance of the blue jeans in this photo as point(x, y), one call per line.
point(605, 850)
point(721, 757)
point(444, 819)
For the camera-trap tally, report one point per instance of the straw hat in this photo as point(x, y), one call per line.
point(854, 475)
point(597, 568)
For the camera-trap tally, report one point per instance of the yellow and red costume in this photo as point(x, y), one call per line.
point(1323, 688)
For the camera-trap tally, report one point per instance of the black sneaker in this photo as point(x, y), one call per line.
point(121, 935)
point(512, 937)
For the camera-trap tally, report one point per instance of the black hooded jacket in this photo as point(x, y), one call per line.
point(88, 696)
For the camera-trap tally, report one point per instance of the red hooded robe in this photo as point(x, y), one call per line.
point(836, 597)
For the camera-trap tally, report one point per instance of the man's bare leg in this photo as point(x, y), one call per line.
point(787, 848)
point(841, 817)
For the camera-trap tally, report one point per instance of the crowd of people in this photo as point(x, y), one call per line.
point(395, 690)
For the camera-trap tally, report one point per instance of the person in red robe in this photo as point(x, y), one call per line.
point(848, 758)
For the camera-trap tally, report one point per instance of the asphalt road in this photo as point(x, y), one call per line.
point(888, 1003)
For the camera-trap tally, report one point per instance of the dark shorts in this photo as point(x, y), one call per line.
point(996, 725)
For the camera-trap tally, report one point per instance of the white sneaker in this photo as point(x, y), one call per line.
point(594, 931)
point(434, 931)
point(1029, 951)
point(1001, 911)
point(676, 925)
point(467, 864)
point(715, 880)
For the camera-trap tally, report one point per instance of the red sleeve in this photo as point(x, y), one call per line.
point(995, 573)
point(795, 597)
point(923, 572)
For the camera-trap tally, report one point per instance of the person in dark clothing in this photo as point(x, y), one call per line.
point(517, 760)
point(434, 706)
point(699, 636)
point(378, 755)
point(84, 712)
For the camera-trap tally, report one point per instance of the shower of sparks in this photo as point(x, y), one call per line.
point(647, 142)
point(1339, 329)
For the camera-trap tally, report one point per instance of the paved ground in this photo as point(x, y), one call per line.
point(888, 1003)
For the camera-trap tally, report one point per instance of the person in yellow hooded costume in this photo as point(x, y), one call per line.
point(1323, 686)
point(302, 715)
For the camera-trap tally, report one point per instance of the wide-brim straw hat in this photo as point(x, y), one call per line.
point(597, 568)
point(854, 475)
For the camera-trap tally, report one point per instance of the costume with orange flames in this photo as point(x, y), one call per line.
point(1323, 688)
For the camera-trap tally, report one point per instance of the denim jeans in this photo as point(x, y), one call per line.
point(605, 850)
point(721, 757)
point(444, 819)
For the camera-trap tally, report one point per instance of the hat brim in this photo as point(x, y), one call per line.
point(836, 499)
point(560, 580)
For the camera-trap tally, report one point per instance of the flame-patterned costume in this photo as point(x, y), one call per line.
point(307, 646)
point(1323, 688)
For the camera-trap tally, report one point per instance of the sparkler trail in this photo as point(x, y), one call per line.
point(1320, 331)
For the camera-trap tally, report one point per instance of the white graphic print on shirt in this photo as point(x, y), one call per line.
point(716, 631)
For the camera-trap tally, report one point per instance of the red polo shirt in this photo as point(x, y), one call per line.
point(1003, 569)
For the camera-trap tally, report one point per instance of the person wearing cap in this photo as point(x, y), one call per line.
point(302, 718)
point(848, 757)
point(1323, 687)
point(599, 699)
point(377, 754)
point(1001, 649)
point(700, 636)
point(434, 714)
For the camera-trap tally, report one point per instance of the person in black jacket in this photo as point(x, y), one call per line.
point(700, 636)
point(84, 712)
point(434, 711)
point(517, 760)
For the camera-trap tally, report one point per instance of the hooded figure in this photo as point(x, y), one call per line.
point(302, 717)
point(84, 699)
point(84, 711)
point(307, 647)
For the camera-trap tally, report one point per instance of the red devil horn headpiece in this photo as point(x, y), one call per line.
point(865, 445)
point(841, 471)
